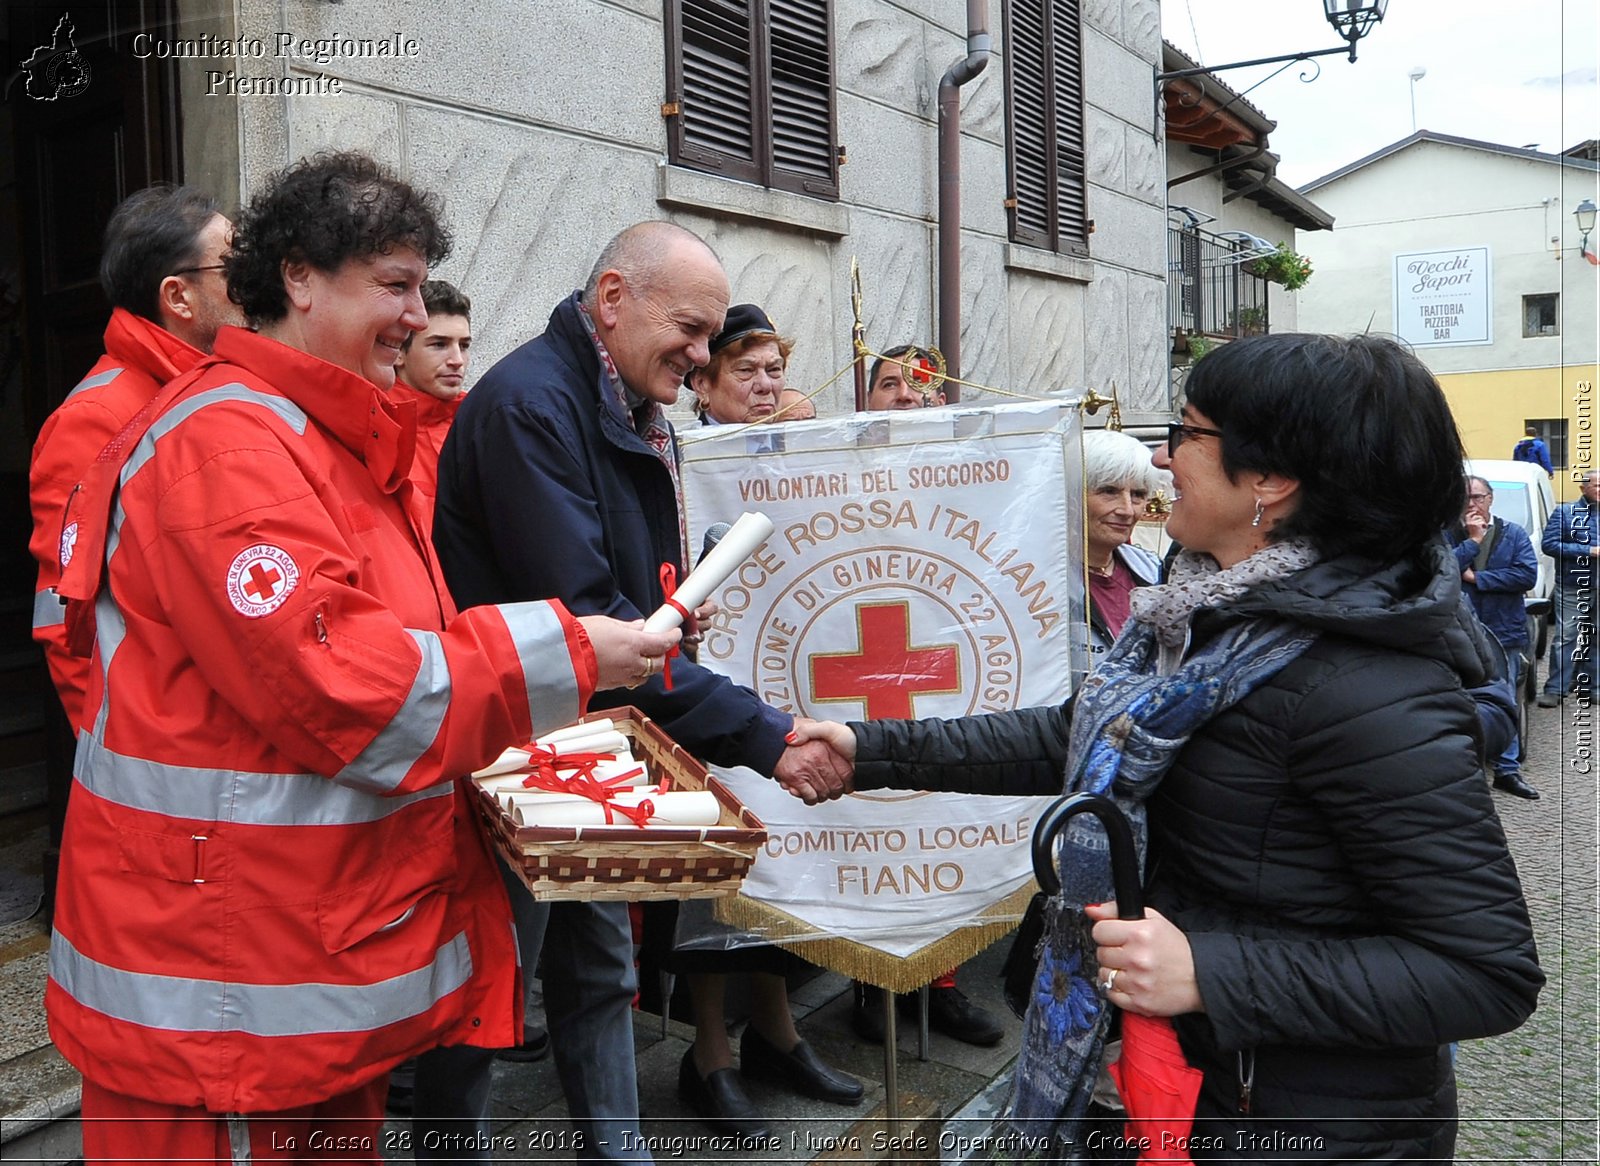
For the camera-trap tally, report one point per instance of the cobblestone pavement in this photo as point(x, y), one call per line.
point(1531, 1096)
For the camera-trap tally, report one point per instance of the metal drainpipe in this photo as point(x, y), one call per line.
point(964, 70)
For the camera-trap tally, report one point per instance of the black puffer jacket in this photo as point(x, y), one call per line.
point(1330, 849)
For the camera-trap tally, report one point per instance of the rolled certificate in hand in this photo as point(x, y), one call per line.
point(752, 529)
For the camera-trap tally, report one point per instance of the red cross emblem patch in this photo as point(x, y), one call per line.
point(69, 543)
point(260, 579)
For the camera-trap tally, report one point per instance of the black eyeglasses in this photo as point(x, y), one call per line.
point(1177, 431)
point(1478, 497)
point(207, 267)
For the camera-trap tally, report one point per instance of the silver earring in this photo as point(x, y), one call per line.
point(1261, 508)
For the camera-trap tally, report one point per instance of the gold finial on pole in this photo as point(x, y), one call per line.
point(858, 335)
point(1093, 401)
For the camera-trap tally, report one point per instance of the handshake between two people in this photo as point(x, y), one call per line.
point(817, 766)
point(820, 762)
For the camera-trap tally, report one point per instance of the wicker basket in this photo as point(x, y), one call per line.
point(624, 862)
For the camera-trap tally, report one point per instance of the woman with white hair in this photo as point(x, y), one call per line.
point(1119, 478)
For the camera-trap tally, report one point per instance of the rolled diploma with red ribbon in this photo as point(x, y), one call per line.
point(680, 808)
point(520, 760)
point(605, 773)
point(573, 732)
point(741, 541)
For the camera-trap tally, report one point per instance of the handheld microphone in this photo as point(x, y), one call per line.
point(714, 535)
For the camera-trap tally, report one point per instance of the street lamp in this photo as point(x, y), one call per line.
point(1584, 216)
point(1351, 19)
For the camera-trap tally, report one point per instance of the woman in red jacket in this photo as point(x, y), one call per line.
point(272, 885)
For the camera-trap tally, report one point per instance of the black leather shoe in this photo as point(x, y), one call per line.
point(1549, 700)
point(535, 1046)
point(720, 1100)
point(950, 1012)
point(799, 1069)
point(1513, 784)
point(866, 1014)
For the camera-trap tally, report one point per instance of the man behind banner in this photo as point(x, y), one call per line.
point(906, 377)
point(560, 479)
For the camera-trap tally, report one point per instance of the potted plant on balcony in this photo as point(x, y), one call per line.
point(1285, 266)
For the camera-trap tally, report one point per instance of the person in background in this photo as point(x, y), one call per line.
point(560, 478)
point(273, 887)
point(161, 268)
point(742, 383)
point(1331, 901)
point(1498, 565)
point(905, 377)
point(1119, 479)
point(1571, 538)
point(1533, 449)
point(432, 372)
point(793, 405)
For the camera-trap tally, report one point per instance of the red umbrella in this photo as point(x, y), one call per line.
point(1158, 1087)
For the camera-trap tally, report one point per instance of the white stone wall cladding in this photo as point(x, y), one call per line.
point(1045, 332)
point(1145, 165)
point(1146, 389)
point(541, 63)
point(1105, 150)
point(537, 172)
point(984, 356)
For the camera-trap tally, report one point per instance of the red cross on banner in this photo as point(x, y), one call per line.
point(262, 582)
point(886, 672)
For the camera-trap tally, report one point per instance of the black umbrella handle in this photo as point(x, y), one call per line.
point(1124, 856)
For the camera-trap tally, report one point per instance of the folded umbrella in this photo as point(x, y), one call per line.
point(1158, 1087)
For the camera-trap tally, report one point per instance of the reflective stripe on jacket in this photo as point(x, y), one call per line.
point(272, 889)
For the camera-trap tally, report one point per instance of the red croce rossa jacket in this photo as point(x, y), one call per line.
point(272, 885)
point(140, 358)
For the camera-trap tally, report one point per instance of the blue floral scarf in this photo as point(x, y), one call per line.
point(1130, 720)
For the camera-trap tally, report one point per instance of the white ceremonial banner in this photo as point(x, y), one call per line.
point(1442, 298)
point(924, 563)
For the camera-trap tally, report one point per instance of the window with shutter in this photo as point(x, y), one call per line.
point(752, 81)
point(1048, 200)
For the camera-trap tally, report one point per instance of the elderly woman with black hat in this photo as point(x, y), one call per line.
point(744, 379)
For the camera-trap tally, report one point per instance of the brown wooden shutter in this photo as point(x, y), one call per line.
point(1027, 130)
point(712, 74)
point(1072, 202)
point(804, 156)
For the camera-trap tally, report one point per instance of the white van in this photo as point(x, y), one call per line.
point(1522, 495)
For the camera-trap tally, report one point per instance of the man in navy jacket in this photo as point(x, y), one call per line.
point(560, 480)
point(1498, 565)
point(1571, 539)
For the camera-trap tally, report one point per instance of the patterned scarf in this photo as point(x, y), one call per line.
point(1131, 719)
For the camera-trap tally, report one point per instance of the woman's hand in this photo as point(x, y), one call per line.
point(837, 737)
point(626, 654)
point(1151, 959)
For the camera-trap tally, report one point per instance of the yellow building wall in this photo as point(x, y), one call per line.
point(1491, 409)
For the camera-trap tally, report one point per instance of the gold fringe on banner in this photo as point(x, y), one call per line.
point(867, 964)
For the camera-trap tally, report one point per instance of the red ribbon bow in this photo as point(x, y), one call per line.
point(546, 775)
point(669, 587)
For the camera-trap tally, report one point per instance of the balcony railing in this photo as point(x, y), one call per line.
point(1208, 289)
